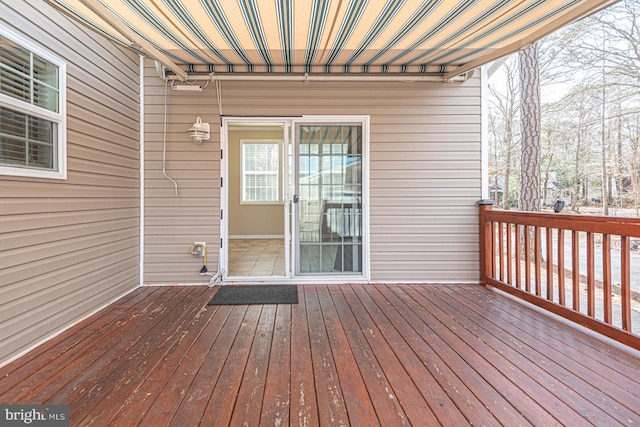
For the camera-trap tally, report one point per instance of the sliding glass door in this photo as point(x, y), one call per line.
point(328, 198)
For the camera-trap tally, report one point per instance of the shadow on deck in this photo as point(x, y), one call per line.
point(356, 355)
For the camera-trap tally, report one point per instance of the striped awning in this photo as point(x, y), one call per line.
point(327, 36)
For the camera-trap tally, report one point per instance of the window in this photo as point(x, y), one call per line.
point(260, 171)
point(32, 116)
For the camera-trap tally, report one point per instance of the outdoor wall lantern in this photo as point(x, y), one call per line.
point(200, 131)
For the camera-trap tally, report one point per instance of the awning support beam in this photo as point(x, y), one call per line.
point(103, 12)
point(306, 77)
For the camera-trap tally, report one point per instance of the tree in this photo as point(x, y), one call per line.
point(529, 129)
point(588, 104)
point(503, 113)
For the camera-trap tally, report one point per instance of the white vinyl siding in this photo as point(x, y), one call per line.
point(69, 247)
point(425, 172)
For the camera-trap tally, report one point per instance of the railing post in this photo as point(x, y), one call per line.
point(486, 245)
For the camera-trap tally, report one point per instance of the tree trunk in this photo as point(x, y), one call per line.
point(605, 177)
point(576, 172)
point(546, 179)
point(530, 129)
point(507, 170)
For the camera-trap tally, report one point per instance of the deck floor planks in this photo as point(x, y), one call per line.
point(168, 359)
point(221, 403)
point(480, 365)
point(331, 405)
point(43, 362)
point(67, 374)
point(554, 410)
point(186, 394)
point(178, 369)
point(360, 410)
point(252, 384)
point(586, 350)
point(384, 400)
point(479, 387)
point(404, 388)
point(606, 398)
point(429, 348)
point(441, 404)
point(585, 346)
point(304, 403)
point(276, 400)
point(120, 379)
point(541, 369)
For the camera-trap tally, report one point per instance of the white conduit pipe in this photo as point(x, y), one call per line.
point(164, 141)
point(219, 95)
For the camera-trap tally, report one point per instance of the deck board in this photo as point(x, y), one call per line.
point(345, 355)
point(613, 396)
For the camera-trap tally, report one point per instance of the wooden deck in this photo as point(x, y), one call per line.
point(358, 355)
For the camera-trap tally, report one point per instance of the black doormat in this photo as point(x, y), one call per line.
point(255, 294)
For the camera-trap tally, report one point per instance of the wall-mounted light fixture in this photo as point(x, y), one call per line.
point(200, 131)
point(190, 88)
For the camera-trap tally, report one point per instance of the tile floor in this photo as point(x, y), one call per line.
point(256, 257)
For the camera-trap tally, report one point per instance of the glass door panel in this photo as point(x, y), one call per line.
point(329, 191)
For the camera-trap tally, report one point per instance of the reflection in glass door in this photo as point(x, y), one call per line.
point(329, 191)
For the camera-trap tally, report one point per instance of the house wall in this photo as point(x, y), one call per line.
point(67, 247)
point(425, 171)
point(251, 219)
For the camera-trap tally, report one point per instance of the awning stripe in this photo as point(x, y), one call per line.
point(488, 33)
point(433, 31)
point(354, 12)
point(381, 23)
point(415, 20)
point(147, 15)
point(527, 26)
point(222, 24)
point(252, 17)
point(319, 13)
point(186, 19)
point(284, 10)
point(474, 26)
point(324, 36)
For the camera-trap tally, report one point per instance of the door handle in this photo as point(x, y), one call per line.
point(295, 198)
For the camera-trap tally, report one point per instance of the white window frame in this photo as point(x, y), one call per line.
point(60, 118)
point(280, 198)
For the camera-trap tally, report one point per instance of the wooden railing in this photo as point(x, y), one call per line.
point(563, 263)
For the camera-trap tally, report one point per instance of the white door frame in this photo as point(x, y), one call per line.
point(289, 124)
point(224, 197)
point(347, 277)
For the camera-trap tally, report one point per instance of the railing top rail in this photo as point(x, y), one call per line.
point(620, 226)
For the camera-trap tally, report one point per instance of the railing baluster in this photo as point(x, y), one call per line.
point(493, 250)
point(561, 299)
point(591, 294)
point(518, 238)
point(513, 225)
point(501, 249)
point(509, 255)
point(549, 236)
point(527, 258)
point(537, 253)
point(625, 282)
point(606, 276)
point(485, 241)
point(575, 268)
